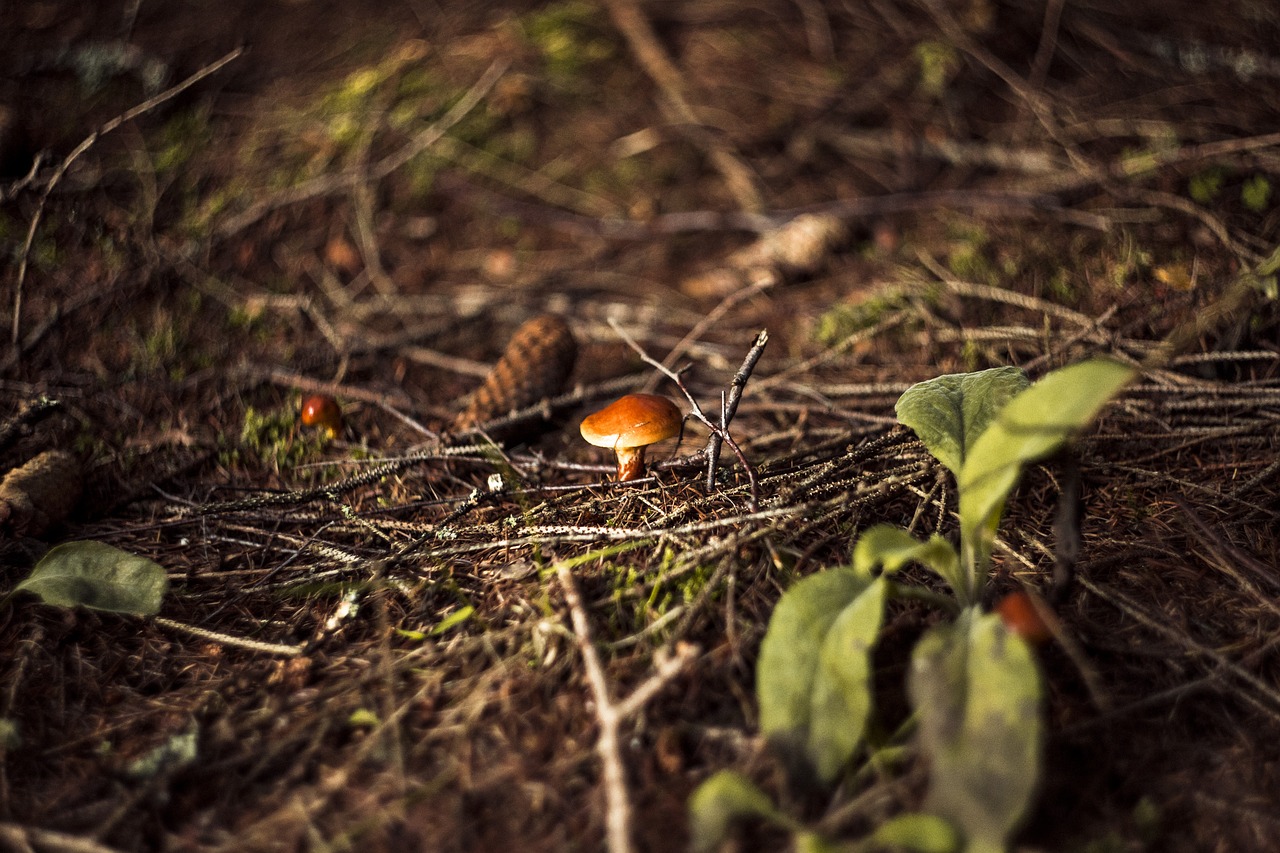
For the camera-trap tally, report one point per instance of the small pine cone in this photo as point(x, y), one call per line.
point(535, 365)
point(39, 494)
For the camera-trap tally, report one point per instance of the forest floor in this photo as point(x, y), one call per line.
point(376, 641)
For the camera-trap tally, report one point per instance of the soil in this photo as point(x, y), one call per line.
point(209, 213)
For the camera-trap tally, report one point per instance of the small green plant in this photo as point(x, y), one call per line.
point(973, 684)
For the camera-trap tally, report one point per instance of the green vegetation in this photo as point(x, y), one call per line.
point(973, 684)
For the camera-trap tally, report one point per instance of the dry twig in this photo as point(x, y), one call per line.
point(611, 715)
point(87, 143)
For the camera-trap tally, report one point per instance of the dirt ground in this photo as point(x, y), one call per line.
point(211, 211)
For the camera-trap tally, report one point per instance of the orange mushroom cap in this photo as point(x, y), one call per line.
point(636, 420)
point(629, 425)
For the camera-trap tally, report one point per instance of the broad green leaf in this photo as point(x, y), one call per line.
point(892, 547)
point(923, 833)
point(96, 575)
point(789, 654)
point(1034, 424)
point(841, 700)
point(724, 798)
point(977, 691)
point(948, 413)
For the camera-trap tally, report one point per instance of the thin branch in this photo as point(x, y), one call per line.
point(230, 639)
point(77, 152)
point(14, 836)
point(642, 40)
point(328, 184)
point(611, 715)
point(698, 414)
point(729, 407)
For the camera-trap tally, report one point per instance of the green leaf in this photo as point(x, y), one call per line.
point(841, 699)
point(95, 575)
point(977, 691)
point(949, 412)
point(454, 619)
point(892, 547)
point(804, 841)
point(789, 654)
point(1034, 424)
point(724, 798)
point(923, 833)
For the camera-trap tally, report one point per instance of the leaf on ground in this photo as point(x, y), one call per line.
point(977, 690)
point(98, 576)
point(720, 801)
point(948, 413)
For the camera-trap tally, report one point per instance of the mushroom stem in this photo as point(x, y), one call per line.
point(630, 463)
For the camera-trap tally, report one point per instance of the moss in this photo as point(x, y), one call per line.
point(1206, 185)
point(1060, 287)
point(1125, 262)
point(968, 257)
point(181, 138)
point(841, 321)
point(1255, 194)
point(938, 63)
point(569, 37)
point(272, 438)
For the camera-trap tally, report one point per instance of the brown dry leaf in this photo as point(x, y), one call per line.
point(39, 494)
point(535, 365)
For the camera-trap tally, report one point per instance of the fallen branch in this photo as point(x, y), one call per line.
point(328, 184)
point(87, 143)
point(729, 406)
point(721, 429)
point(611, 715)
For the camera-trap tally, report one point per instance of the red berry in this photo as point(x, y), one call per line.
point(321, 411)
point(1021, 617)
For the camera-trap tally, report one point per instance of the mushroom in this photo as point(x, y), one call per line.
point(321, 411)
point(629, 425)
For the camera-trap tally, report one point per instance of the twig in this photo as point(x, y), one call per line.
point(698, 414)
point(16, 837)
point(611, 715)
point(29, 415)
point(730, 406)
point(989, 202)
point(230, 639)
point(327, 184)
point(658, 65)
point(1153, 623)
point(87, 143)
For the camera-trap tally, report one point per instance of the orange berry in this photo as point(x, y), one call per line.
point(1021, 617)
point(321, 411)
